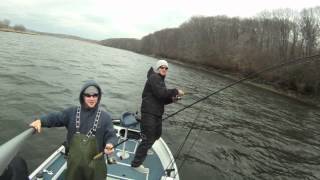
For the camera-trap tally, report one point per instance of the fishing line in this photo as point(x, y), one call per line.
point(185, 140)
point(295, 61)
point(181, 146)
point(192, 145)
point(187, 136)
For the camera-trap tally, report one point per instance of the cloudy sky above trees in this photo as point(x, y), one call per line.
point(102, 19)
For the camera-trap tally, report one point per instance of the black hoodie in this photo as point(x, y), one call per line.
point(155, 94)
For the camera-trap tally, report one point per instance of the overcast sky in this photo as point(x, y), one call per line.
point(102, 19)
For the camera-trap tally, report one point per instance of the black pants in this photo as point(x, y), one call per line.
point(17, 170)
point(151, 129)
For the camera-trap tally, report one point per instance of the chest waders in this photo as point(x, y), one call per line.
point(80, 164)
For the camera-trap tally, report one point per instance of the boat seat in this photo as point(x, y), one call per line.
point(127, 121)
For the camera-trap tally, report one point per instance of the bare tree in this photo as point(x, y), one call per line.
point(5, 23)
point(309, 24)
point(19, 27)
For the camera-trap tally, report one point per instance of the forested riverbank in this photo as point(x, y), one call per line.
point(243, 46)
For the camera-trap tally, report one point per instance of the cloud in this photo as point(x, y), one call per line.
point(101, 19)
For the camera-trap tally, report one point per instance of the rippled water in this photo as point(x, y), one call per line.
point(240, 133)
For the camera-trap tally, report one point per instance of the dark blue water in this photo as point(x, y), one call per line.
point(241, 133)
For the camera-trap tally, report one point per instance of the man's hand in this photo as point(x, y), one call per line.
point(108, 149)
point(180, 92)
point(36, 125)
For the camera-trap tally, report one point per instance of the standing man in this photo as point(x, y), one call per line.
point(155, 95)
point(90, 131)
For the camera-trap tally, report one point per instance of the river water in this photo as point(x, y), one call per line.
point(241, 133)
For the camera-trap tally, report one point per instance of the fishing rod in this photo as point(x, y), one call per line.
point(102, 153)
point(270, 68)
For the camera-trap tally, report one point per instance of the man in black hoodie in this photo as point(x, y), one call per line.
point(155, 95)
point(90, 131)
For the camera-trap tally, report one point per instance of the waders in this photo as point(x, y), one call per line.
point(82, 149)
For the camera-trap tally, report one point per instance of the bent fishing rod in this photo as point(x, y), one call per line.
point(270, 68)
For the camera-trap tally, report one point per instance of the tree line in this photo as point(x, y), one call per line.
point(243, 45)
point(5, 24)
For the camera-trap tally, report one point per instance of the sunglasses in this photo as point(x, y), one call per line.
point(163, 67)
point(91, 95)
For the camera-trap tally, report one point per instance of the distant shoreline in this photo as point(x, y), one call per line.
point(49, 34)
point(15, 31)
point(309, 100)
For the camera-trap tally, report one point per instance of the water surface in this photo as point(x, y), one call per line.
point(241, 133)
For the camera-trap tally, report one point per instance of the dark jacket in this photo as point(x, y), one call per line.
point(155, 94)
point(105, 133)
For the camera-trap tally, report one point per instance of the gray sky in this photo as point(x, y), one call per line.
point(102, 19)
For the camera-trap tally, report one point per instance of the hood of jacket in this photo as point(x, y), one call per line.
point(151, 72)
point(87, 84)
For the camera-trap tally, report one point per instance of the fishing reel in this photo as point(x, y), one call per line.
point(111, 160)
point(176, 98)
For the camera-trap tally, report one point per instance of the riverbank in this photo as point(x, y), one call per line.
point(306, 99)
point(15, 31)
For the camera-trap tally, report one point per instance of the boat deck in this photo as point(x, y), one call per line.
point(119, 171)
